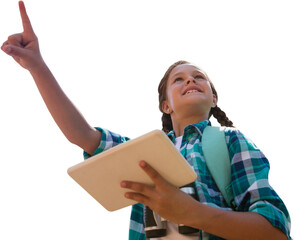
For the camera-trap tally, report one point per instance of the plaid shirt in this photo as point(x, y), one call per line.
point(249, 173)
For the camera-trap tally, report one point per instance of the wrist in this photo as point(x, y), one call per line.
point(39, 67)
point(202, 216)
point(194, 214)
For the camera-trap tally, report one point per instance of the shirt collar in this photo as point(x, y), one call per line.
point(196, 127)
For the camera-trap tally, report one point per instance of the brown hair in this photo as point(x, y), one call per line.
point(167, 125)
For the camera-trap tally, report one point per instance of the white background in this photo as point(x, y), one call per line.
point(109, 57)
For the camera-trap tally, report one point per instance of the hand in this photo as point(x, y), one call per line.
point(163, 198)
point(24, 47)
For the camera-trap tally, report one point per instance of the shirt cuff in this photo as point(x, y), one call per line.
point(274, 215)
point(104, 144)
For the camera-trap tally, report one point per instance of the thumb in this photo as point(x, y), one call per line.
point(14, 51)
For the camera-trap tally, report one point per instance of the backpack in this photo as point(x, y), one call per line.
point(217, 159)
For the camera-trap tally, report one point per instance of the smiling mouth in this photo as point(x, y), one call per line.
point(191, 91)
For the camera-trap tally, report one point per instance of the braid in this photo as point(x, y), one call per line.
point(167, 125)
point(221, 117)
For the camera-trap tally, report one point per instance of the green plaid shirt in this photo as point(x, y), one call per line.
point(249, 173)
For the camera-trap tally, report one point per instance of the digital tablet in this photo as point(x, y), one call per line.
point(101, 175)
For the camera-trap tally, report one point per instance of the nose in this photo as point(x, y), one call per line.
point(190, 80)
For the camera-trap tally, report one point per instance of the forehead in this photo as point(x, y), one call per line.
point(185, 68)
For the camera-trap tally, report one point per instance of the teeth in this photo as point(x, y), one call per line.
point(190, 91)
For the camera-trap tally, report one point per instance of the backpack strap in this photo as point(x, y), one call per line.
point(217, 159)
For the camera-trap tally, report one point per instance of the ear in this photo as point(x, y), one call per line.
point(166, 108)
point(214, 101)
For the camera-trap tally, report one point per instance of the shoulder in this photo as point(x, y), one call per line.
point(242, 149)
point(237, 139)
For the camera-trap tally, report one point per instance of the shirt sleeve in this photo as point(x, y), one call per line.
point(250, 185)
point(136, 230)
point(108, 140)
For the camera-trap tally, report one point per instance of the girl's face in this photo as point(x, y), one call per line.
point(188, 91)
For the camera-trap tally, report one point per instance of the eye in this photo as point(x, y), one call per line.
point(199, 77)
point(178, 79)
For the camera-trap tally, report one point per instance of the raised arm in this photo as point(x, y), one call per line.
point(24, 48)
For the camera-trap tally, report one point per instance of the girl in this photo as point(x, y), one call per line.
point(187, 99)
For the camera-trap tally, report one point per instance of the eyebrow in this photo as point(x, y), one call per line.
point(196, 71)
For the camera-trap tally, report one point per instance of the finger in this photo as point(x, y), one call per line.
point(14, 51)
point(4, 44)
point(139, 188)
point(138, 197)
point(26, 23)
point(5, 48)
point(153, 174)
point(15, 40)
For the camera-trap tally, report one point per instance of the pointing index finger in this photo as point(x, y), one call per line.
point(26, 23)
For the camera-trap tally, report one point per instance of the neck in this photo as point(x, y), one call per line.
point(179, 124)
